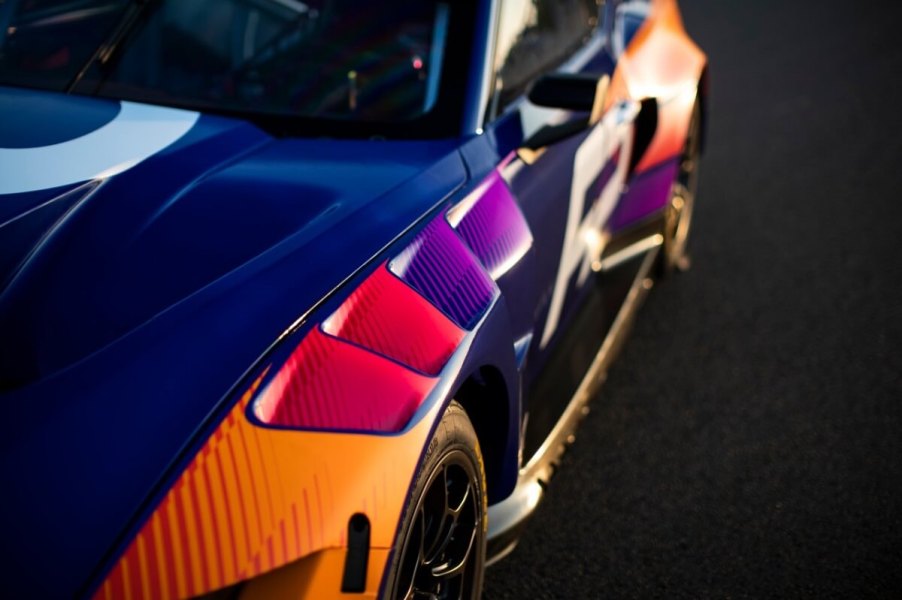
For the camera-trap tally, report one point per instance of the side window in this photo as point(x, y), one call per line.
point(352, 60)
point(534, 37)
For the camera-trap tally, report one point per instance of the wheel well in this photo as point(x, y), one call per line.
point(485, 398)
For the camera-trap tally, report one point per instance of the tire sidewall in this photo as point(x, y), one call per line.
point(454, 433)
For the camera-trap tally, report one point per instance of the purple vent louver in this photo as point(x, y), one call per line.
point(491, 224)
point(438, 265)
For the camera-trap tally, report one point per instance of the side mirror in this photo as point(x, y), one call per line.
point(585, 93)
point(572, 91)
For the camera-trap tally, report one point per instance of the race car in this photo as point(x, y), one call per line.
point(306, 298)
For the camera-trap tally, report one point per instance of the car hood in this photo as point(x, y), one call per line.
point(141, 275)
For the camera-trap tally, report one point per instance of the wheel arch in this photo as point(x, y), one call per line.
point(486, 398)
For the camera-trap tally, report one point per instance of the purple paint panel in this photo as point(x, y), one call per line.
point(648, 193)
point(491, 224)
point(438, 266)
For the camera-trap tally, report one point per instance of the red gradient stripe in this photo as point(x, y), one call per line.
point(327, 383)
point(384, 314)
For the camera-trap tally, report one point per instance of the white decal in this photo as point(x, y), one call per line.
point(138, 132)
point(584, 237)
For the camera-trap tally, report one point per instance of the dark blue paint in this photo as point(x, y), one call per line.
point(506, 133)
point(491, 346)
point(20, 235)
point(543, 193)
point(113, 260)
point(631, 24)
point(13, 206)
point(31, 120)
point(139, 312)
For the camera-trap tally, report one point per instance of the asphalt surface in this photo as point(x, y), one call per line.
point(748, 442)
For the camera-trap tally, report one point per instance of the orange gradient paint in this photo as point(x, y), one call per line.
point(316, 576)
point(255, 499)
point(661, 62)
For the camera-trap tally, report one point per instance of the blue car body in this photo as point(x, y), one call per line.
point(138, 296)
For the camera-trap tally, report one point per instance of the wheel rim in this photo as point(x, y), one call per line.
point(682, 199)
point(439, 554)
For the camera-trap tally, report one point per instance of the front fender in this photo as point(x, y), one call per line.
point(314, 437)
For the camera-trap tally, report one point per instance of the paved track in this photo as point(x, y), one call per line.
point(748, 442)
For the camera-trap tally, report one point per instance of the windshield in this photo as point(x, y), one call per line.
point(384, 63)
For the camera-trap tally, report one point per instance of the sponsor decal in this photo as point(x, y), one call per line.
point(136, 133)
point(593, 198)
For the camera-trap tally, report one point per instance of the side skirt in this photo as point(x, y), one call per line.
point(507, 517)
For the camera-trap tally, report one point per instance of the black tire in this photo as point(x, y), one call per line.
point(440, 549)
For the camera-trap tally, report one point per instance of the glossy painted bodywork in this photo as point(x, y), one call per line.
point(160, 321)
point(144, 305)
point(256, 496)
point(658, 62)
point(255, 499)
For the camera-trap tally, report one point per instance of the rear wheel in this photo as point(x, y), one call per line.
point(682, 199)
point(440, 550)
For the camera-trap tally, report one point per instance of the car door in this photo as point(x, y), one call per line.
point(567, 192)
